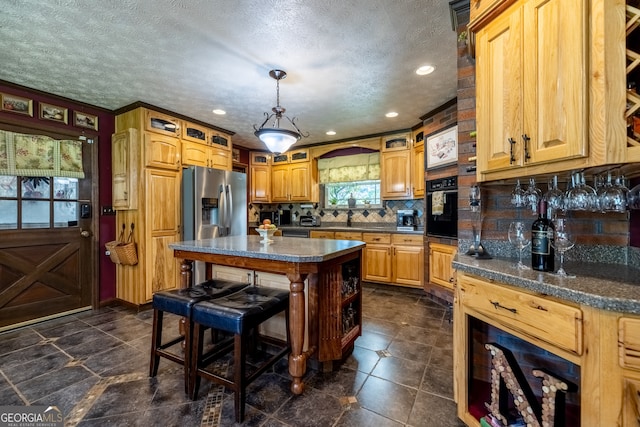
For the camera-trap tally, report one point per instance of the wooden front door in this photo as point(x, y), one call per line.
point(48, 242)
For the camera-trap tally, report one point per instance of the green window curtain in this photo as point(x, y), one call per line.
point(356, 167)
point(38, 155)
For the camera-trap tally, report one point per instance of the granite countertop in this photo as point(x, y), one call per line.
point(612, 287)
point(287, 249)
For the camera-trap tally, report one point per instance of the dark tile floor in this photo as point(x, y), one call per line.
point(94, 367)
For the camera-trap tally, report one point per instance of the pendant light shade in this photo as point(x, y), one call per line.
point(277, 139)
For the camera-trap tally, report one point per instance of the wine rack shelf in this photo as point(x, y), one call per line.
point(632, 114)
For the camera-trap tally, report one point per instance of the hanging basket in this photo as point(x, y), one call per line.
point(121, 251)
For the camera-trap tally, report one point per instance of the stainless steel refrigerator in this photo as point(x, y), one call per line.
point(214, 203)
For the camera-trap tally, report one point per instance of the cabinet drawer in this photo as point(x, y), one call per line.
point(348, 235)
point(377, 238)
point(407, 239)
point(317, 234)
point(629, 342)
point(532, 315)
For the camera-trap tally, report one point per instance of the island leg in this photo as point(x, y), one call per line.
point(186, 279)
point(297, 359)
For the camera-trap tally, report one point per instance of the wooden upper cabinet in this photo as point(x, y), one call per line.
point(297, 156)
point(194, 153)
point(418, 137)
point(396, 175)
point(280, 183)
point(300, 182)
point(220, 140)
point(161, 123)
point(396, 142)
point(161, 151)
point(531, 85)
point(260, 184)
point(296, 182)
point(124, 169)
point(417, 171)
point(260, 158)
point(194, 133)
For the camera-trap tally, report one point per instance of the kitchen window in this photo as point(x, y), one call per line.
point(364, 194)
point(350, 180)
point(33, 202)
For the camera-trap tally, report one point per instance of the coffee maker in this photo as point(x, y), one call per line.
point(407, 220)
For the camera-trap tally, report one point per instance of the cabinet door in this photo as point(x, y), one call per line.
point(377, 263)
point(280, 183)
point(417, 166)
point(555, 79)
point(396, 175)
point(440, 269)
point(408, 265)
point(162, 222)
point(194, 154)
point(300, 182)
point(499, 92)
point(124, 169)
point(161, 151)
point(162, 123)
point(219, 159)
point(234, 274)
point(260, 183)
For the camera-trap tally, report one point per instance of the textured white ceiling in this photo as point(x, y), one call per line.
point(348, 61)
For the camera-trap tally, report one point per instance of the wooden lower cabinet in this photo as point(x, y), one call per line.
point(377, 257)
point(601, 345)
point(407, 260)
point(394, 258)
point(440, 270)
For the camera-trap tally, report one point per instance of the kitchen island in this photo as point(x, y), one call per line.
point(323, 263)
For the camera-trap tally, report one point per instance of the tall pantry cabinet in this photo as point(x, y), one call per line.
point(147, 159)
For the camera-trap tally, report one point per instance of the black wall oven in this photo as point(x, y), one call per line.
point(442, 220)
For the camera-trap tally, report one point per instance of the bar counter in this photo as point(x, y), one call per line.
point(613, 287)
point(318, 260)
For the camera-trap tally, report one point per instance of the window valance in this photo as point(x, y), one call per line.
point(39, 155)
point(356, 167)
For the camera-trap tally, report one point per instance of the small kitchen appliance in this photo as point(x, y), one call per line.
point(310, 221)
point(407, 220)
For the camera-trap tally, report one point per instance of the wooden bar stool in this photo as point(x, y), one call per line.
point(239, 314)
point(180, 302)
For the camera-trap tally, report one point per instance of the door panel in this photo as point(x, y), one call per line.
point(47, 267)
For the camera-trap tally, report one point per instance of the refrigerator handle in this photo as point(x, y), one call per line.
point(222, 209)
point(229, 209)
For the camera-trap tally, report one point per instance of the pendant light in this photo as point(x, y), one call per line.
point(277, 139)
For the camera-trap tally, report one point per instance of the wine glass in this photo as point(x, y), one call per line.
point(517, 196)
point(562, 242)
point(520, 237)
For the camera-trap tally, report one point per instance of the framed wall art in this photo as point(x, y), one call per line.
point(85, 120)
point(16, 104)
point(54, 113)
point(441, 148)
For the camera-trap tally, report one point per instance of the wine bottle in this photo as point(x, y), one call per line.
point(541, 236)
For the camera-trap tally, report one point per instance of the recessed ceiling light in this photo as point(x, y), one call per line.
point(425, 69)
point(331, 132)
point(219, 112)
point(391, 114)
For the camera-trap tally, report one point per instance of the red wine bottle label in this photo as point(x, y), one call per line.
point(541, 242)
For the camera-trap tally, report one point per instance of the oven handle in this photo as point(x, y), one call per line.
point(444, 191)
